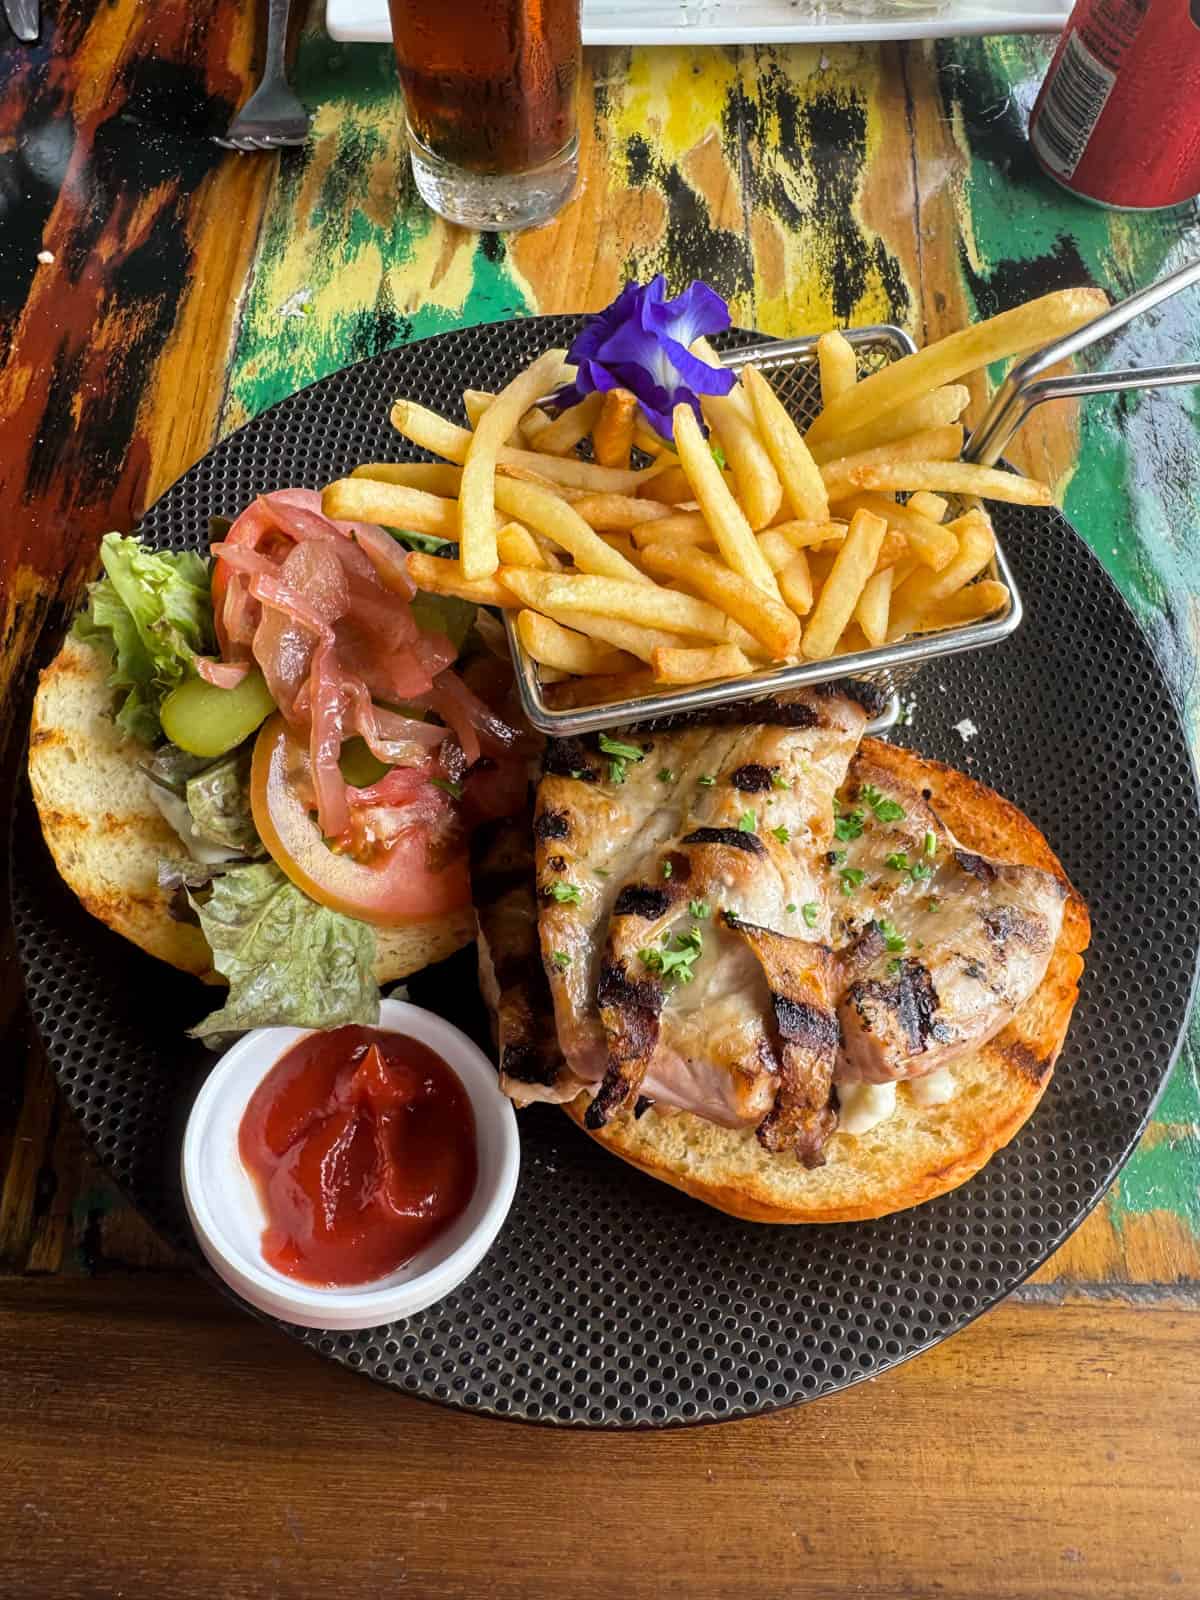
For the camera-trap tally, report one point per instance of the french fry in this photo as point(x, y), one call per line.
point(612, 431)
point(926, 590)
point(631, 637)
point(894, 548)
point(972, 604)
point(442, 438)
point(552, 645)
point(617, 513)
point(777, 548)
point(737, 395)
point(670, 487)
point(871, 612)
point(476, 402)
point(929, 505)
point(852, 566)
point(699, 665)
point(795, 584)
point(766, 619)
point(549, 515)
point(934, 545)
point(724, 516)
point(432, 476)
point(570, 426)
point(476, 496)
point(936, 444)
point(393, 504)
point(1012, 333)
point(518, 548)
point(837, 364)
point(505, 469)
point(678, 527)
point(437, 575)
point(954, 477)
point(759, 490)
point(647, 440)
point(600, 691)
point(532, 423)
point(803, 487)
point(641, 602)
point(927, 411)
point(623, 544)
point(807, 535)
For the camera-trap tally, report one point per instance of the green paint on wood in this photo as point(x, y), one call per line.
point(342, 219)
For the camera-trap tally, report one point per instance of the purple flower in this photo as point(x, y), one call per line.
point(641, 343)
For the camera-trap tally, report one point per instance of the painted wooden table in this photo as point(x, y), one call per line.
point(156, 292)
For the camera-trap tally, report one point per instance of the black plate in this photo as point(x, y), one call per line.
point(610, 1300)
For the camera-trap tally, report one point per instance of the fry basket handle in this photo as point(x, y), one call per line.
point(1026, 386)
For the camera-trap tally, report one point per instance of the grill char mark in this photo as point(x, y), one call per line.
point(733, 837)
point(642, 900)
point(753, 777)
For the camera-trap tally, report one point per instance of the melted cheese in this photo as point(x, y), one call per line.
point(864, 1105)
point(934, 1089)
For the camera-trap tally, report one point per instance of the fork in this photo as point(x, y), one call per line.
point(272, 116)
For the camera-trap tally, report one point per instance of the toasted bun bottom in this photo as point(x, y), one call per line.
point(107, 837)
point(916, 1153)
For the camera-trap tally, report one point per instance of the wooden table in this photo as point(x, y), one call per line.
point(154, 293)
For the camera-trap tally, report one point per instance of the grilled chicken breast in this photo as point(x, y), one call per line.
point(938, 945)
point(749, 921)
point(684, 926)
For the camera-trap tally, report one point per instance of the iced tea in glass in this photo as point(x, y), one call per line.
point(490, 89)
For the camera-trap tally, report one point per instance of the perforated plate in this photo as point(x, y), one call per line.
point(608, 1299)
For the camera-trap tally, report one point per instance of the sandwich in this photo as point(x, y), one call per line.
point(262, 767)
point(801, 975)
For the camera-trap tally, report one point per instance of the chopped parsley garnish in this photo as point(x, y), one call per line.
point(836, 857)
point(931, 844)
point(561, 960)
point(747, 822)
point(898, 861)
point(810, 911)
point(567, 894)
point(577, 772)
point(707, 779)
point(448, 784)
point(621, 753)
point(781, 833)
point(920, 870)
point(666, 869)
point(778, 781)
point(851, 878)
point(894, 966)
point(892, 938)
point(675, 966)
point(849, 825)
point(790, 908)
point(718, 456)
point(700, 908)
point(665, 775)
point(885, 810)
point(934, 903)
point(601, 872)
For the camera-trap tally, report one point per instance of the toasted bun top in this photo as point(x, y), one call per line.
point(107, 836)
point(915, 1153)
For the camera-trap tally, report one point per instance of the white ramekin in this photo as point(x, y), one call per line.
point(225, 1211)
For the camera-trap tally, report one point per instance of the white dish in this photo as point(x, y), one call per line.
point(749, 21)
point(228, 1218)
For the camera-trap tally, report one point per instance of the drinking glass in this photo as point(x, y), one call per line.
point(490, 91)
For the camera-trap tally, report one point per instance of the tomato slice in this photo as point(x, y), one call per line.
point(403, 885)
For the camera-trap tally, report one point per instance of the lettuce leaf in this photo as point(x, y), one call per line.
point(219, 801)
point(152, 611)
point(287, 959)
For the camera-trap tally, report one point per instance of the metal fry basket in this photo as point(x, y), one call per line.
point(790, 365)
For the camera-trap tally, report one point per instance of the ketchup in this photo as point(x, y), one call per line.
point(362, 1146)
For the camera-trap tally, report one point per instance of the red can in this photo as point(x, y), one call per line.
point(1118, 118)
